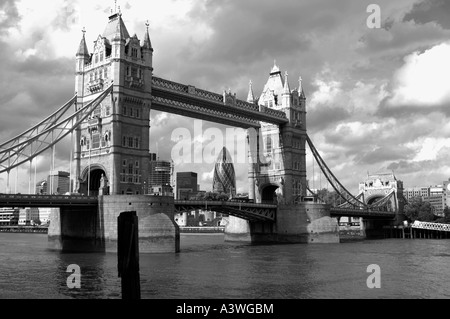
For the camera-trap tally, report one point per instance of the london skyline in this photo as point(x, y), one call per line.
point(377, 99)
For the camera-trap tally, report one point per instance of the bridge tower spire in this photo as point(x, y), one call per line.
point(282, 176)
point(251, 96)
point(113, 145)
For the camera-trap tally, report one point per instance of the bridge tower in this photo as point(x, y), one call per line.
point(378, 186)
point(277, 172)
point(280, 175)
point(112, 147)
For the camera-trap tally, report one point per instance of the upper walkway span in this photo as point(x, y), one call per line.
point(187, 100)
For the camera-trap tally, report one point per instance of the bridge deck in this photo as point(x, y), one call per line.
point(248, 211)
point(50, 201)
point(347, 212)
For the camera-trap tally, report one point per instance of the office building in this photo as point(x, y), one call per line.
point(58, 182)
point(160, 176)
point(224, 180)
point(186, 185)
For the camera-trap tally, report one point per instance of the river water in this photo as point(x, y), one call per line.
point(207, 267)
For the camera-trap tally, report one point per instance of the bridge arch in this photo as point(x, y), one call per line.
point(377, 197)
point(270, 193)
point(374, 198)
point(96, 173)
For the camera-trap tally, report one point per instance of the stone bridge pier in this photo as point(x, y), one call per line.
point(95, 229)
point(299, 223)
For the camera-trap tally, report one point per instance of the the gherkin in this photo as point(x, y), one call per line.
point(224, 175)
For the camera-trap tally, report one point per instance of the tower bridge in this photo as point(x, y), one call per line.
point(109, 129)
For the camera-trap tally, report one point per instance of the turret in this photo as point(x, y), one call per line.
point(251, 96)
point(286, 95)
point(82, 58)
point(147, 49)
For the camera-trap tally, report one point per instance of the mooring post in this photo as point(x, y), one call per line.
point(128, 255)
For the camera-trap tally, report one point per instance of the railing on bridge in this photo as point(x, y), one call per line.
point(431, 226)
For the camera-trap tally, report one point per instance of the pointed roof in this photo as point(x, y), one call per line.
point(300, 88)
point(286, 89)
point(251, 96)
point(116, 28)
point(83, 49)
point(274, 85)
point(275, 68)
point(147, 42)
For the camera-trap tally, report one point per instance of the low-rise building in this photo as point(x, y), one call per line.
point(29, 216)
point(9, 216)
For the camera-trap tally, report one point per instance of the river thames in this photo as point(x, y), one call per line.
point(207, 267)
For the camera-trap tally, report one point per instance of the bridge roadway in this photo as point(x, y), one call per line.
point(248, 211)
point(47, 201)
point(365, 213)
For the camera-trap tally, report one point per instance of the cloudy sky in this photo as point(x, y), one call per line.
point(378, 99)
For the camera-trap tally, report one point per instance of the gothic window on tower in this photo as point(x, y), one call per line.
point(101, 56)
point(137, 114)
point(269, 144)
point(130, 142)
point(134, 72)
point(124, 110)
point(123, 175)
point(107, 110)
point(134, 53)
point(124, 141)
point(136, 142)
point(95, 140)
point(97, 112)
point(96, 58)
point(130, 173)
point(128, 71)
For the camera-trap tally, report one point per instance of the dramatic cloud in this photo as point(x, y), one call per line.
point(377, 99)
point(423, 79)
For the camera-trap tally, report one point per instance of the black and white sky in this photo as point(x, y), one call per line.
point(378, 99)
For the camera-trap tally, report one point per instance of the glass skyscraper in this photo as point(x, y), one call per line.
point(224, 175)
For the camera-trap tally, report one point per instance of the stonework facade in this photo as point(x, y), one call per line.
point(280, 174)
point(112, 146)
point(378, 186)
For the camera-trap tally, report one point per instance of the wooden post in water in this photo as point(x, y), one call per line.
point(128, 255)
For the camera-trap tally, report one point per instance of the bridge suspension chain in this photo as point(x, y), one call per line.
point(40, 127)
point(338, 187)
point(46, 134)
